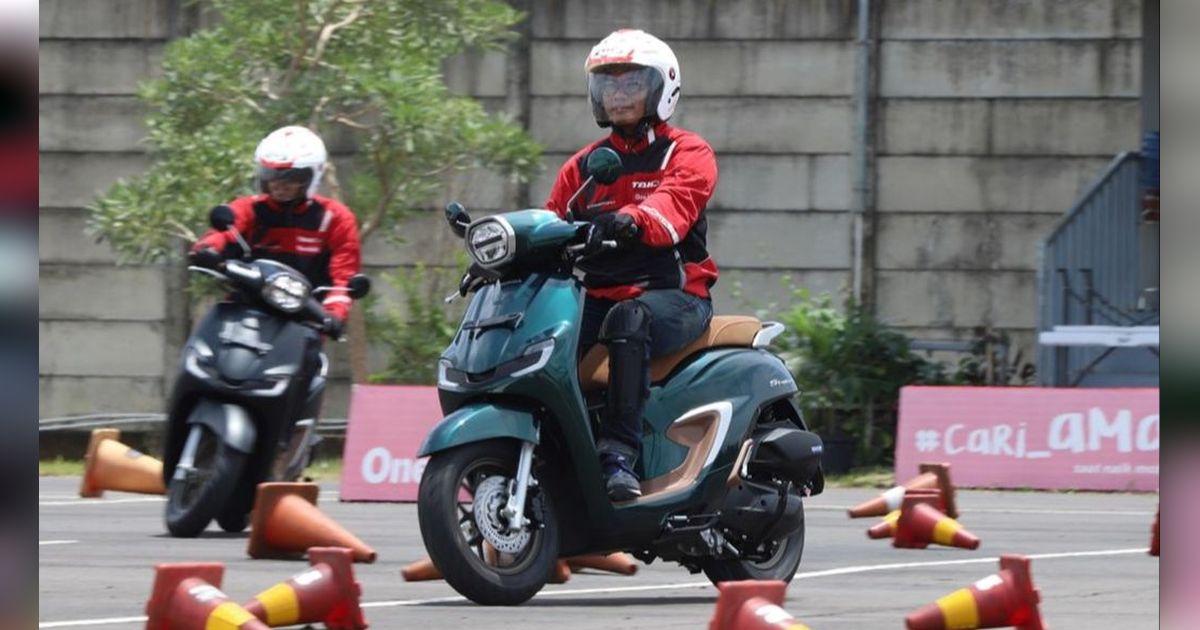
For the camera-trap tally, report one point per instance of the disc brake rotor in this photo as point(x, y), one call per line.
point(491, 495)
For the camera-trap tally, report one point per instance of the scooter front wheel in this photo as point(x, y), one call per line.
point(197, 494)
point(459, 507)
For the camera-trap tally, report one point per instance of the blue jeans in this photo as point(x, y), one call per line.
point(677, 319)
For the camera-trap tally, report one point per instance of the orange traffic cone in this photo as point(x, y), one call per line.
point(752, 605)
point(1003, 599)
point(188, 597)
point(1154, 534)
point(420, 570)
point(111, 465)
point(919, 524)
point(423, 570)
point(617, 562)
point(931, 476)
point(327, 593)
point(286, 522)
point(887, 527)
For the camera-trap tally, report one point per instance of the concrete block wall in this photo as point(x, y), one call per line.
point(104, 337)
point(992, 116)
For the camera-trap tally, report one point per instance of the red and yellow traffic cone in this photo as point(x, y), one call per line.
point(111, 465)
point(1154, 534)
point(326, 593)
point(188, 597)
point(752, 605)
point(1003, 599)
point(919, 524)
point(887, 527)
point(931, 476)
point(617, 562)
point(286, 522)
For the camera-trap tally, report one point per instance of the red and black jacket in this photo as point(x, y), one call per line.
point(668, 177)
point(319, 238)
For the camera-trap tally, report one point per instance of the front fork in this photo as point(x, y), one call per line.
point(518, 488)
point(187, 459)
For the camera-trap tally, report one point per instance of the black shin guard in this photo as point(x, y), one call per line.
point(626, 334)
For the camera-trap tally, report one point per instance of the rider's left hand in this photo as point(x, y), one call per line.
point(333, 326)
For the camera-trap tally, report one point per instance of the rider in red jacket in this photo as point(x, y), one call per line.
point(650, 296)
point(288, 222)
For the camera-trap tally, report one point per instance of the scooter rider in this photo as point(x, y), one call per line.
point(288, 222)
point(649, 297)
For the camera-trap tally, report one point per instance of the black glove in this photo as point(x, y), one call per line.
point(617, 226)
point(206, 257)
point(333, 327)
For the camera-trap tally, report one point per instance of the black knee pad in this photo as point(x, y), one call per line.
point(628, 320)
point(626, 334)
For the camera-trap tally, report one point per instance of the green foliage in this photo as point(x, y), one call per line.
point(417, 334)
point(850, 368)
point(365, 75)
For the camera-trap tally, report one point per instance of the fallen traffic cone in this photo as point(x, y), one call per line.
point(919, 524)
point(617, 562)
point(752, 605)
point(286, 522)
point(931, 476)
point(887, 527)
point(111, 465)
point(189, 597)
point(420, 571)
point(1003, 599)
point(1154, 534)
point(327, 593)
point(561, 573)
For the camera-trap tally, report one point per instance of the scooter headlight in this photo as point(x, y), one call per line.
point(491, 241)
point(286, 292)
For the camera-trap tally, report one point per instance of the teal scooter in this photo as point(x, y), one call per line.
point(513, 481)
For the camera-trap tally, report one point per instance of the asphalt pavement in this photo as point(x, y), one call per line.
point(1089, 553)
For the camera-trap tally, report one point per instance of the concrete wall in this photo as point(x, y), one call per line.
point(992, 115)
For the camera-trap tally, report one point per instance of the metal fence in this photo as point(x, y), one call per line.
point(1088, 273)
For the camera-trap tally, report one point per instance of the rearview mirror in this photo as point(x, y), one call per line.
point(220, 217)
point(457, 217)
point(359, 286)
point(604, 165)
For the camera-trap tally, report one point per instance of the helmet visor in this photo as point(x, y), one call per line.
point(614, 89)
point(291, 175)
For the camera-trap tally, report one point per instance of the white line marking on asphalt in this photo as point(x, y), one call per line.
point(92, 622)
point(1001, 510)
point(103, 501)
point(56, 542)
point(663, 587)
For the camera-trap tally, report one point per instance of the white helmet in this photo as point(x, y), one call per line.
point(294, 153)
point(631, 47)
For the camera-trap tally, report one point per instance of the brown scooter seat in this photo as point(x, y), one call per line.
point(723, 331)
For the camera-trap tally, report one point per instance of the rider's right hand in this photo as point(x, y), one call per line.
point(206, 257)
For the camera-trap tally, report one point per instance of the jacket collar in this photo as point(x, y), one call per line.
point(639, 143)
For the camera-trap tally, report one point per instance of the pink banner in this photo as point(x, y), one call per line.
point(387, 424)
point(1032, 437)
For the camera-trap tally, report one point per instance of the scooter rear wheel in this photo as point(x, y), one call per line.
point(474, 567)
point(781, 566)
point(194, 500)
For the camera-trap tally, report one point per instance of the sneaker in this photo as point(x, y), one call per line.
point(620, 480)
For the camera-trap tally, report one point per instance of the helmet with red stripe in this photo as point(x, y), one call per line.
point(291, 153)
point(651, 69)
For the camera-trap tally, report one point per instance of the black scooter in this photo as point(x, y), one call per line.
point(245, 403)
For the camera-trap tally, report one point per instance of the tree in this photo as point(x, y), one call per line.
point(365, 74)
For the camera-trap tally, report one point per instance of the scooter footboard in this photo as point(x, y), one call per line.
point(232, 422)
point(476, 423)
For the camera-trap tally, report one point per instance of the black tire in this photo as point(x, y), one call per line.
point(194, 501)
point(233, 520)
point(458, 553)
point(781, 566)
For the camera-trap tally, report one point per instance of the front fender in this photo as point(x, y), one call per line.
point(231, 422)
point(478, 422)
